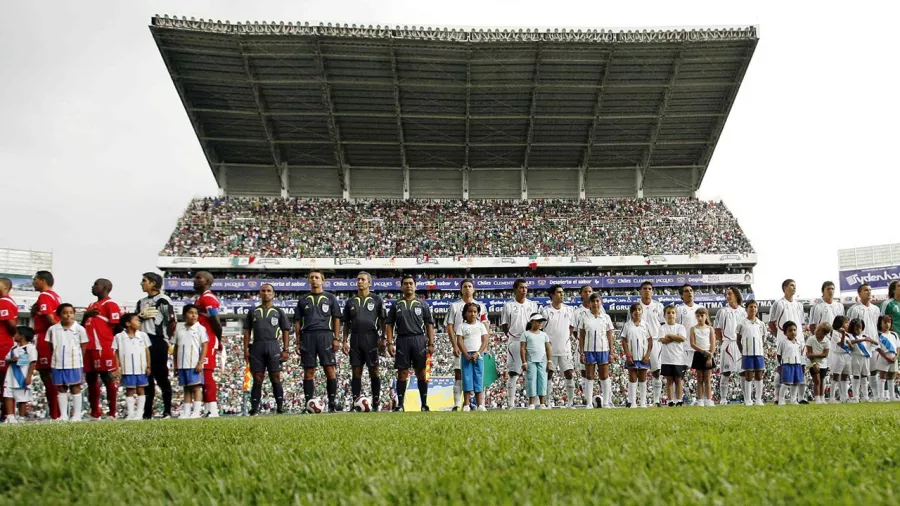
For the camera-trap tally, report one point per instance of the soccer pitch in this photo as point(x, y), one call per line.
point(845, 454)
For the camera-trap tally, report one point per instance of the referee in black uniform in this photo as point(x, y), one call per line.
point(363, 322)
point(317, 323)
point(158, 320)
point(266, 354)
point(411, 319)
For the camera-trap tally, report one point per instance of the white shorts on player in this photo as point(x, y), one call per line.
point(562, 363)
point(730, 357)
point(859, 365)
point(839, 363)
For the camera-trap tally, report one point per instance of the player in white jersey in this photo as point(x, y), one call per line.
point(785, 310)
point(637, 344)
point(868, 313)
point(826, 310)
point(653, 314)
point(791, 362)
point(452, 321)
point(67, 340)
point(728, 321)
point(132, 349)
point(886, 361)
point(581, 311)
point(686, 315)
point(559, 326)
point(839, 359)
point(595, 345)
point(514, 322)
point(672, 337)
point(191, 343)
point(750, 337)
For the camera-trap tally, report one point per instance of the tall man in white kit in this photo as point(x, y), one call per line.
point(868, 312)
point(559, 327)
point(653, 315)
point(452, 321)
point(685, 314)
point(785, 310)
point(514, 321)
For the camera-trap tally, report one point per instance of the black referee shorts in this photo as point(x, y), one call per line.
point(410, 352)
point(364, 350)
point(317, 344)
point(265, 356)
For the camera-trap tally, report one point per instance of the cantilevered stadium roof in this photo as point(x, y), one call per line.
point(338, 111)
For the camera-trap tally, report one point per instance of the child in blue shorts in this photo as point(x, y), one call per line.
point(191, 344)
point(132, 349)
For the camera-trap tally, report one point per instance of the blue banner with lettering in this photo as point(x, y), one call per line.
point(876, 277)
point(481, 283)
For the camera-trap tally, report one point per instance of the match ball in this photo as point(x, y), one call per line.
point(363, 404)
point(315, 406)
point(598, 401)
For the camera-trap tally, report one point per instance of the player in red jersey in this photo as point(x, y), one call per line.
point(9, 315)
point(208, 305)
point(100, 321)
point(43, 313)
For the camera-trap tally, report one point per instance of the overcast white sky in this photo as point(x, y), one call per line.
point(98, 159)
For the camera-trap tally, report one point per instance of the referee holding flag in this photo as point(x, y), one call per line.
point(411, 319)
point(265, 354)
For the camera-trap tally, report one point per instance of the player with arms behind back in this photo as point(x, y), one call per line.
point(653, 314)
point(559, 326)
point(514, 318)
point(43, 314)
point(208, 309)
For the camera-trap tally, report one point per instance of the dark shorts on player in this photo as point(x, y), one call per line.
point(265, 356)
point(317, 344)
point(364, 350)
point(411, 352)
point(673, 371)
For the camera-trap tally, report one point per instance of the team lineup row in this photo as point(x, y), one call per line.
point(652, 339)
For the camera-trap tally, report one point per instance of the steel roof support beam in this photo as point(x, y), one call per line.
point(534, 94)
point(397, 110)
point(333, 129)
point(459, 144)
point(726, 109)
point(261, 109)
point(661, 113)
point(579, 117)
point(468, 105)
point(598, 102)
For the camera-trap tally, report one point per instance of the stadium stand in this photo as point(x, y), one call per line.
point(447, 228)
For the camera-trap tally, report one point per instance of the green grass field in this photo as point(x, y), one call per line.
point(847, 454)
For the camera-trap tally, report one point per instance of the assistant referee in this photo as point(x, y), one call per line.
point(410, 318)
point(265, 353)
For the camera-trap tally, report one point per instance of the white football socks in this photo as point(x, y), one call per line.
point(570, 392)
point(759, 389)
point(607, 392)
point(141, 402)
point(631, 393)
point(457, 393)
point(63, 400)
point(129, 405)
point(657, 390)
point(510, 391)
point(748, 395)
point(76, 407)
point(642, 393)
point(589, 392)
point(185, 410)
point(724, 382)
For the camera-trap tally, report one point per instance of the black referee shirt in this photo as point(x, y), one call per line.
point(362, 314)
point(317, 311)
point(409, 317)
point(265, 323)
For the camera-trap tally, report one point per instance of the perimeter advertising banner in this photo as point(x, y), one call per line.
point(876, 277)
point(440, 306)
point(481, 283)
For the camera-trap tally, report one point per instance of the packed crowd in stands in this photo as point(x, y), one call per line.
point(274, 227)
point(233, 402)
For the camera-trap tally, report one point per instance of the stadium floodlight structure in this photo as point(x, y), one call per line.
point(293, 109)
